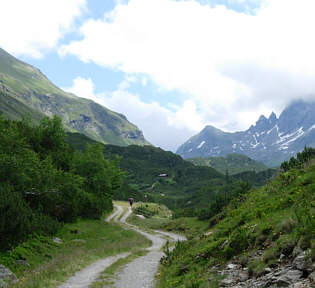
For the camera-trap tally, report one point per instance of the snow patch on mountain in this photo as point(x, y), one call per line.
point(201, 144)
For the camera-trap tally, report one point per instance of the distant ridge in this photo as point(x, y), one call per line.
point(25, 90)
point(231, 163)
point(271, 140)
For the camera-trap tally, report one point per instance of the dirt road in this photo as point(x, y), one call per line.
point(139, 273)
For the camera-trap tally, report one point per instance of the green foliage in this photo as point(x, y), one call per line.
point(302, 158)
point(43, 182)
point(274, 219)
point(186, 190)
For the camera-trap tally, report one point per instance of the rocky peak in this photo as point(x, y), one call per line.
point(272, 118)
point(261, 124)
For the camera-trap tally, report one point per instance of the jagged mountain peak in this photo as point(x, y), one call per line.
point(270, 141)
point(273, 117)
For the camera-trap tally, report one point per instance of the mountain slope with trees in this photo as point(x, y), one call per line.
point(164, 177)
point(232, 163)
point(45, 182)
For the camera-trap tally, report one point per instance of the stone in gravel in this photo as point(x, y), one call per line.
point(281, 258)
point(227, 282)
point(82, 241)
point(267, 270)
point(231, 266)
point(57, 240)
point(243, 276)
point(6, 276)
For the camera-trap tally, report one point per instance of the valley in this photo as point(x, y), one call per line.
point(228, 210)
point(237, 235)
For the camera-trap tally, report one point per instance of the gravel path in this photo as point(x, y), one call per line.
point(115, 215)
point(88, 275)
point(141, 272)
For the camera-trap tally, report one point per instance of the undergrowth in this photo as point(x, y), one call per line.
point(40, 262)
point(275, 219)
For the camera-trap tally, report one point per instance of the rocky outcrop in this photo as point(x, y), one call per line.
point(299, 273)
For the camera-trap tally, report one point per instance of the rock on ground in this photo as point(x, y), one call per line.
point(6, 276)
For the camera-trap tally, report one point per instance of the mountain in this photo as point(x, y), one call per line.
point(233, 163)
point(270, 141)
point(25, 90)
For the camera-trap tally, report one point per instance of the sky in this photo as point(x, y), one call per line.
point(171, 66)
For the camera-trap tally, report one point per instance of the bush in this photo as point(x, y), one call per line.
point(43, 182)
point(18, 220)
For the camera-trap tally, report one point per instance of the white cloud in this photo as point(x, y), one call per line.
point(161, 126)
point(33, 27)
point(230, 64)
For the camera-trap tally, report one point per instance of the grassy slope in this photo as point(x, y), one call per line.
point(12, 108)
point(233, 163)
point(144, 164)
point(186, 183)
point(31, 88)
point(50, 264)
point(274, 219)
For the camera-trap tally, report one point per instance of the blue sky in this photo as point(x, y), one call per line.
point(171, 67)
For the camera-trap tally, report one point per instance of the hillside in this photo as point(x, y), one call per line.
point(187, 188)
point(25, 90)
point(263, 239)
point(270, 141)
point(232, 163)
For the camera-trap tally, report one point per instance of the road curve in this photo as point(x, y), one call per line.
point(141, 272)
point(88, 275)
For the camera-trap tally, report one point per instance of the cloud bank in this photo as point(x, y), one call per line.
point(233, 66)
point(33, 27)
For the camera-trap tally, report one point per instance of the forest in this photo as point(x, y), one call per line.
point(45, 182)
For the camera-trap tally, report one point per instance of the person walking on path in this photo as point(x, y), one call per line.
point(130, 201)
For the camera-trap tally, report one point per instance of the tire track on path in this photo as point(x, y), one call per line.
point(85, 277)
point(141, 272)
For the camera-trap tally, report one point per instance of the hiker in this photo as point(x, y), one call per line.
point(130, 201)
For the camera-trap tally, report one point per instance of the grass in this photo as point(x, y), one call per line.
point(50, 264)
point(276, 219)
point(152, 210)
point(161, 220)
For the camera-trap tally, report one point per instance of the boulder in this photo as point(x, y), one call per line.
point(312, 277)
point(57, 240)
point(6, 276)
point(303, 263)
point(288, 278)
